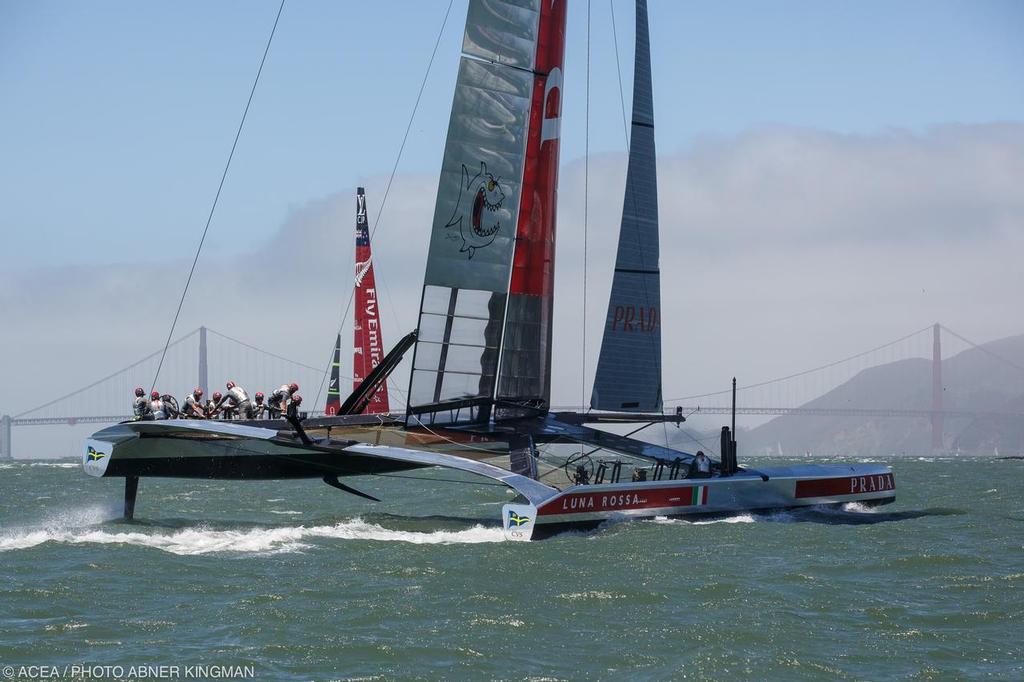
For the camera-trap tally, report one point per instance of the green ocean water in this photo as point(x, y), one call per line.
point(302, 582)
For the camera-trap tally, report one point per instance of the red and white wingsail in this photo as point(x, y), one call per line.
point(485, 318)
point(368, 346)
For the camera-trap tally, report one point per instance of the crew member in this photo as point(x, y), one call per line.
point(276, 402)
point(258, 407)
point(701, 466)
point(239, 400)
point(141, 406)
point(293, 405)
point(193, 407)
point(156, 406)
point(211, 405)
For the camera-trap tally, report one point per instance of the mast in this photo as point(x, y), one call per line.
point(628, 374)
point(487, 289)
point(368, 342)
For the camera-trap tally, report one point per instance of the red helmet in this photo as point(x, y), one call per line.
point(139, 392)
point(216, 395)
point(259, 395)
point(198, 392)
point(231, 385)
point(297, 399)
point(293, 387)
point(155, 395)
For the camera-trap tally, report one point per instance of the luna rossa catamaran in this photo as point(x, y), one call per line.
point(480, 384)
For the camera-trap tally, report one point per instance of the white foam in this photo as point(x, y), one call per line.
point(249, 541)
point(56, 465)
point(739, 518)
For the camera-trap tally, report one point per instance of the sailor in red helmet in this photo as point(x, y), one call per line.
point(157, 406)
point(259, 408)
point(236, 402)
point(277, 403)
point(293, 406)
point(141, 405)
point(211, 405)
point(193, 407)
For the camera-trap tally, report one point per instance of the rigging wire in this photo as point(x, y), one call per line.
point(586, 204)
point(618, 70)
point(216, 197)
point(387, 191)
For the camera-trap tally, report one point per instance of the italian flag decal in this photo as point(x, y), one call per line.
point(699, 495)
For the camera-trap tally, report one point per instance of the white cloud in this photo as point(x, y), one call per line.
point(781, 249)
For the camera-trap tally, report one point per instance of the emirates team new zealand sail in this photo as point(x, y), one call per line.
point(368, 344)
point(480, 386)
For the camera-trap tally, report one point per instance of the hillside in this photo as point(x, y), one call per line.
point(972, 380)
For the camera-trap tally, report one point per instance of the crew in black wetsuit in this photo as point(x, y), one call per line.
point(293, 406)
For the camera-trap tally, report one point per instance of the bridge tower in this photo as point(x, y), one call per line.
point(5, 437)
point(204, 374)
point(936, 389)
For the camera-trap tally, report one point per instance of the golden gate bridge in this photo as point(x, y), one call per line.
point(936, 388)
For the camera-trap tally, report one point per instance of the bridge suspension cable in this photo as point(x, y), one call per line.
point(804, 372)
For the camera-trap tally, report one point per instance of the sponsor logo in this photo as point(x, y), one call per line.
point(550, 129)
point(480, 196)
point(92, 455)
point(601, 502)
point(845, 485)
point(362, 268)
point(871, 484)
point(360, 209)
point(515, 520)
point(630, 318)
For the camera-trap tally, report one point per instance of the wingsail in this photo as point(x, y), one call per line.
point(628, 374)
point(368, 345)
point(486, 299)
point(334, 389)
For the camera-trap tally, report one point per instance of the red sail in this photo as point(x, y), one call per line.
point(368, 348)
point(525, 373)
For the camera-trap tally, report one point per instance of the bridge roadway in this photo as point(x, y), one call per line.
point(766, 411)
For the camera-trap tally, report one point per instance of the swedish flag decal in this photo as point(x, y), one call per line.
point(93, 456)
point(515, 520)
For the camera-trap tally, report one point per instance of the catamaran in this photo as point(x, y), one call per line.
point(480, 384)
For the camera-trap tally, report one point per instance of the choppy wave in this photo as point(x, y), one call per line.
point(204, 540)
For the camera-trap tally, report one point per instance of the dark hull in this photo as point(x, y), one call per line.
point(254, 467)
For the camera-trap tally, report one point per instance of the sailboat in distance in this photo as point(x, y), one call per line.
point(368, 341)
point(480, 384)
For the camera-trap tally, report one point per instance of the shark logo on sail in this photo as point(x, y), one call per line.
point(480, 197)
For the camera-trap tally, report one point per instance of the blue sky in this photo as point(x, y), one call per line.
point(116, 117)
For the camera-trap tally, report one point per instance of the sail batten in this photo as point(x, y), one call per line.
point(628, 376)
